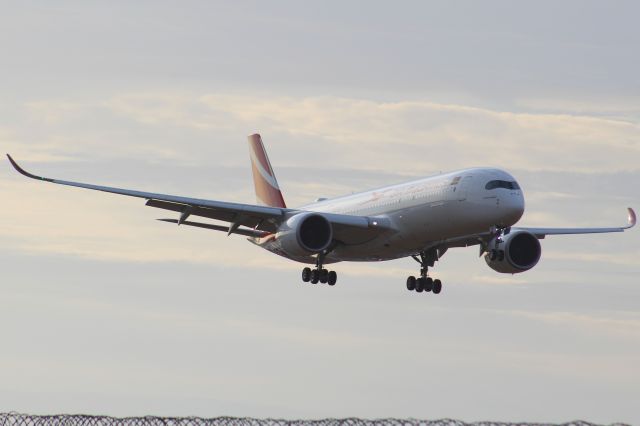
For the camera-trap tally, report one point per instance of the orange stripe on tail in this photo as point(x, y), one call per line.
point(264, 179)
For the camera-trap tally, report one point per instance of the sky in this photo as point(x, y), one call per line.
point(104, 310)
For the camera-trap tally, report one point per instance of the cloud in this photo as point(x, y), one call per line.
point(628, 258)
point(51, 112)
point(430, 131)
point(306, 135)
point(42, 152)
point(53, 219)
point(408, 136)
point(626, 323)
point(624, 108)
point(499, 279)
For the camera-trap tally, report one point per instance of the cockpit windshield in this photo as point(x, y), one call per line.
point(493, 184)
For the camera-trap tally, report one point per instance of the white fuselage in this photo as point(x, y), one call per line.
point(423, 212)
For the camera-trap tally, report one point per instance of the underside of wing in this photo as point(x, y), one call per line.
point(246, 216)
point(263, 217)
point(243, 219)
point(240, 231)
point(543, 232)
point(483, 238)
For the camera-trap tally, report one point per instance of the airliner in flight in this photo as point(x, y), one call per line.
point(421, 219)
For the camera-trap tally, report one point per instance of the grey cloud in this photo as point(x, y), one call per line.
point(348, 131)
point(104, 310)
point(495, 51)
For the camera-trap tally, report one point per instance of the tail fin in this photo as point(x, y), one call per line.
point(267, 189)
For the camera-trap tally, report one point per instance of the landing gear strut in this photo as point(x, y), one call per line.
point(424, 282)
point(319, 274)
point(496, 253)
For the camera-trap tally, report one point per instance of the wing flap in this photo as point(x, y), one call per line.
point(242, 231)
point(238, 218)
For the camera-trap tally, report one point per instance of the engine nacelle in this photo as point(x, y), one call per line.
point(515, 252)
point(305, 234)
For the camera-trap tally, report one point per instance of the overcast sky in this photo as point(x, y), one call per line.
point(104, 310)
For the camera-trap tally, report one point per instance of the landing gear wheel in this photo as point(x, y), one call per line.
point(437, 286)
point(426, 259)
point(332, 278)
point(315, 276)
point(428, 284)
point(411, 283)
point(306, 275)
point(323, 276)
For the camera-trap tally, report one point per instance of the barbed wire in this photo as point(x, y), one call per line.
point(17, 419)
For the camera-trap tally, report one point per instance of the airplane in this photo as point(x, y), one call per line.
point(421, 219)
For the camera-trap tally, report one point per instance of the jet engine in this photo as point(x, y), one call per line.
point(305, 234)
point(514, 252)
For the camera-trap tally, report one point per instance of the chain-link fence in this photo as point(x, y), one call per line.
point(15, 419)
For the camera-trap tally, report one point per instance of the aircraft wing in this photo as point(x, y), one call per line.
point(543, 232)
point(540, 233)
point(347, 229)
point(249, 215)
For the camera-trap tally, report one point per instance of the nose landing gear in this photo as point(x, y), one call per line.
point(424, 282)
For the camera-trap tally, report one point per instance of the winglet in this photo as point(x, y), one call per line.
point(26, 173)
point(632, 218)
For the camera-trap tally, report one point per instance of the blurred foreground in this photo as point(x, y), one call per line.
point(14, 419)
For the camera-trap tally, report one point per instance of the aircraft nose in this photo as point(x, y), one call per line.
point(512, 207)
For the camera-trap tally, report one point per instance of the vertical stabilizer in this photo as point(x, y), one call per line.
point(267, 189)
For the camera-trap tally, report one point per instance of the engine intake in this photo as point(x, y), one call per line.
point(516, 252)
point(305, 233)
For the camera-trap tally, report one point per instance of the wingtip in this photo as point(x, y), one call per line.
point(632, 217)
point(16, 166)
point(13, 163)
point(24, 172)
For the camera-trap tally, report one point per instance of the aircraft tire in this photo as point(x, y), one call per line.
point(324, 275)
point(315, 276)
point(411, 283)
point(428, 284)
point(420, 283)
point(332, 278)
point(306, 275)
point(437, 286)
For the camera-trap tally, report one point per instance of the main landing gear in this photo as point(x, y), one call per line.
point(424, 282)
point(319, 274)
